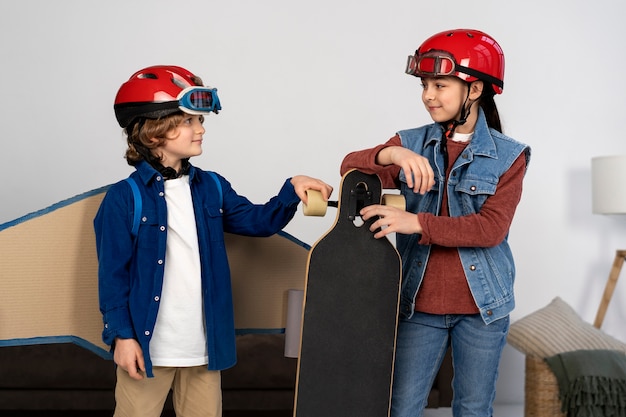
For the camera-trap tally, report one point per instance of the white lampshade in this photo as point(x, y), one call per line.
point(608, 184)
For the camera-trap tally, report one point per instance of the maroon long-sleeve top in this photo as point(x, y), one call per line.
point(444, 289)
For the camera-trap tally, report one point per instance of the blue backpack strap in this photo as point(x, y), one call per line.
point(138, 203)
point(219, 186)
point(138, 206)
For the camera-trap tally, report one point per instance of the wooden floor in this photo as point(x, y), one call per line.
point(90, 413)
point(499, 411)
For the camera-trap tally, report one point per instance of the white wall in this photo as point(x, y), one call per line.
point(302, 84)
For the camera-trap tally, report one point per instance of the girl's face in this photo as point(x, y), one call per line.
point(184, 141)
point(443, 97)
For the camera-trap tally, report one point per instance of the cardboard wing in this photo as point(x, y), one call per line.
point(49, 283)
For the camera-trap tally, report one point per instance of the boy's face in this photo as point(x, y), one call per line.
point(184, 141)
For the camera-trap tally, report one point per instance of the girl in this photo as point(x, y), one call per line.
point(462, 180)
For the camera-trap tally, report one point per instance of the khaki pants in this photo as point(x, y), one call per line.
point(197, 392)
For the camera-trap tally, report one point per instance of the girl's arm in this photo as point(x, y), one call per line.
point(487, 228)
point(387, 160)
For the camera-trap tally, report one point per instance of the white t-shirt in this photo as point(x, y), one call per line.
point(179, 337)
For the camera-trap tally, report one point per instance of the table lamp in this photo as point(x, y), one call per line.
point(608, 174)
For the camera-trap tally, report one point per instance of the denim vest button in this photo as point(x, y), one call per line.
point(472, 267)
point(489, 313)
point(473, 188)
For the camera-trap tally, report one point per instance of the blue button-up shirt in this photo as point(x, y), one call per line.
point(131, 269)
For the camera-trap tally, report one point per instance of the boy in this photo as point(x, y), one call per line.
point(164, 290)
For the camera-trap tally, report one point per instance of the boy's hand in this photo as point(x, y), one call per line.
point(301, 183)
point(129, 356)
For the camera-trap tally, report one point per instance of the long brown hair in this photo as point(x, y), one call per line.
point(488, 104)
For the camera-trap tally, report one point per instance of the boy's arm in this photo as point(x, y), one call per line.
point(114, 245)
point(241, 216)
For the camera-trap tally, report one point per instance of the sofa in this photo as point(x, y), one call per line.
point(55, 249)
point(65, 376)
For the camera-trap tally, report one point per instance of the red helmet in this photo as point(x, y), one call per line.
point(465, 53)
point(162, 90)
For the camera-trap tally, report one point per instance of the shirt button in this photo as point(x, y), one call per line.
point(156, 298)
point(147, 332)
point(158, 178)
point(144, 219)
point(162, 228)
point(472, 267)
point(161, 194)
point(160, 261)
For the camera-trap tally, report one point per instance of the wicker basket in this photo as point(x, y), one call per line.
point(541, 390)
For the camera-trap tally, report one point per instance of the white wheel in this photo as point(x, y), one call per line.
point(316, 205)
point(394, 200)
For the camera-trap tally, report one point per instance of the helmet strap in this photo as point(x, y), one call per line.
point(168, 173)
point(466, 110)
point(450, 126)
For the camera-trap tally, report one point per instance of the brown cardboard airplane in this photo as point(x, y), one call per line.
point(49, 287)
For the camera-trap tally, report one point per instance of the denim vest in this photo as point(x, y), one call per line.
point(490, 272)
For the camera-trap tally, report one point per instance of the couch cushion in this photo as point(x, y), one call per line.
point(57, 366)
point(557, 328)
point(261, 364)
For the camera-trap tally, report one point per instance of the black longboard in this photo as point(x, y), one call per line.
point(345, 366)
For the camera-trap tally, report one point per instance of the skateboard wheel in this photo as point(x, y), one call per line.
point(394, 200)
point(316, 205)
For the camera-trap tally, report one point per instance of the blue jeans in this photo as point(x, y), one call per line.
point(421, 346)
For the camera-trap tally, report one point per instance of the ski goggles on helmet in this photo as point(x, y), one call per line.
point(431, 64)
point(199, 100)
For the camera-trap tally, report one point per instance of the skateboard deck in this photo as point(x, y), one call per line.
point(350, 313)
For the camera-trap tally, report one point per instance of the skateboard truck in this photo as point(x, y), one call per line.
point(360, 197)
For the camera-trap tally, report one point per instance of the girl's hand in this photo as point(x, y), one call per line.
point(301, 183)
point(391, 220)
point(419, 174)
point(129, 356)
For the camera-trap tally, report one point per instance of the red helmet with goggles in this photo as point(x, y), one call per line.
point(465, 53)
point(162, 90)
